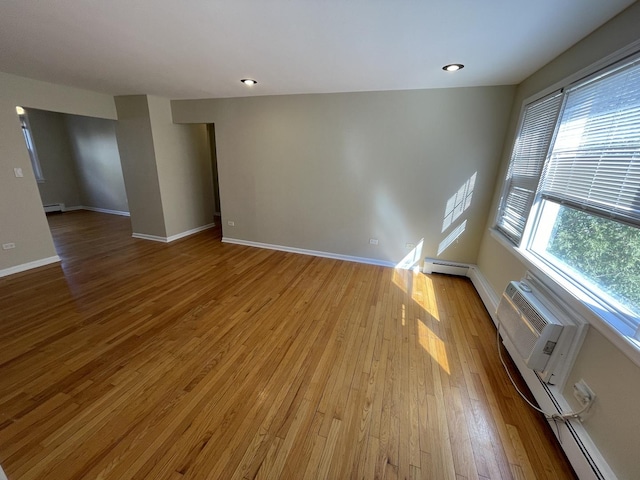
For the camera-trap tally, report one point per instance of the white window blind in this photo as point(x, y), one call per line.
point(527, 160)
point(595, 160)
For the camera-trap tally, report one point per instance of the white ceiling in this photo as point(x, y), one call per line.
point(202, 48)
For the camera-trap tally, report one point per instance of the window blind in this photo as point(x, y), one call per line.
point(527, 161)
point(595, 160)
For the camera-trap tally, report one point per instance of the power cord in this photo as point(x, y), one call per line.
point(564, 417)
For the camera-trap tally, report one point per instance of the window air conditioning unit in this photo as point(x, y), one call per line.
point(539, 327)
point(532, 329)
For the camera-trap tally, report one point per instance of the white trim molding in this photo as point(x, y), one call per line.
point(486, 292)
point(144, 236)
point(28, 266)
point(178, 236)
point(103, 210)
point(61, 207)
point(304, 251)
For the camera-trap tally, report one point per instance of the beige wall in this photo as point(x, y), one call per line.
point(22, 219)
point(183, 160)
point(138, 157)
point(167, 168)
point(614, 424)
point(328, 172)
point(51, 139)
point(97, 162)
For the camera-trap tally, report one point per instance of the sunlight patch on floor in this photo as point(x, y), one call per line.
point(434, 346)
point(424, 295)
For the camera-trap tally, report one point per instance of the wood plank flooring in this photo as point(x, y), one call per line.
point(201, 360)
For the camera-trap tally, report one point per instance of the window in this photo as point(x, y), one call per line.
point(572, 196)
point(31, 148)
point(527, 161)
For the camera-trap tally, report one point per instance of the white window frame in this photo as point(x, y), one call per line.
point(597, 311)
point(31, 147)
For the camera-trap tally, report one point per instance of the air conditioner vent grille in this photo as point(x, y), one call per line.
point(528, 326)
point(531, 314)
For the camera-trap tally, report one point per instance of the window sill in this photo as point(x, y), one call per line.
point(575, 298)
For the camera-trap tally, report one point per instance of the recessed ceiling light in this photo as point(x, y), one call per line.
point(248, 81)
point(453, 67)
point(20, 110)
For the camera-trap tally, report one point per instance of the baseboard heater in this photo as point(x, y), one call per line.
point(434, 265)
point(54, 207)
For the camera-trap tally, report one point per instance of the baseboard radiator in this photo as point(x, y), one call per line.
point(434, 265)
point(545, 373)
point(54, 207)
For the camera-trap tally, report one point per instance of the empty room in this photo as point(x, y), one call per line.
point(319, 239)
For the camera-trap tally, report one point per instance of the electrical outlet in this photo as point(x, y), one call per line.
point(410, 246)
point(8, 246)
point(231, 223)
point(18, 172)
point(583, 393)
point(373, 241)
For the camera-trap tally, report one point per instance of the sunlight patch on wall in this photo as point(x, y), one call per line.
point(459, 202)
point(452, 237)
point(412, 259)
point(434, 346)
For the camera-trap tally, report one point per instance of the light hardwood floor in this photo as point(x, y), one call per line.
point(203, 360)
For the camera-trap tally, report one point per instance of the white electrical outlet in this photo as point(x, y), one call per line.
point(18, 172)
point(231, 223)
point(583, 393)
point(8, 246)
point(373, 241)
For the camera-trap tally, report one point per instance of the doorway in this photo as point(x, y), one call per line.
point(211, 131)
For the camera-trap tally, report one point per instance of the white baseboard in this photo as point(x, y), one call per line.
point(64, 208)
point(28, 266)
point(102, 210)
point(190, 232)
point(144, 236)
point(586, 459)
point(304, 251)
point(487, 294)
point(157, 238)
